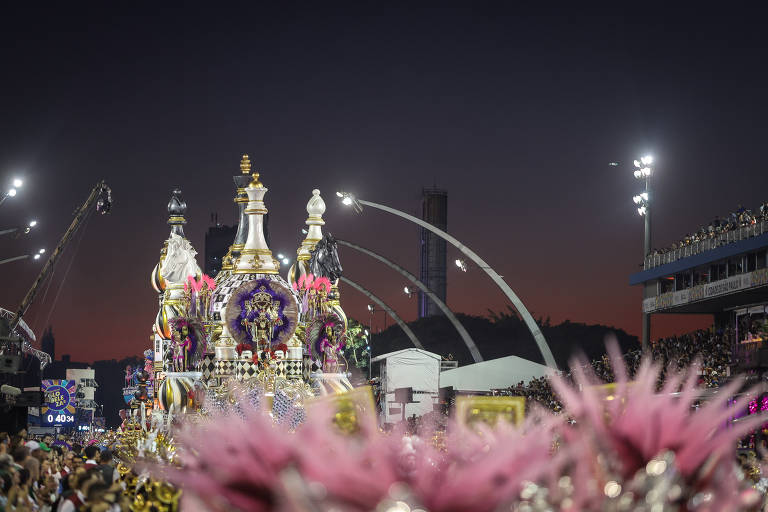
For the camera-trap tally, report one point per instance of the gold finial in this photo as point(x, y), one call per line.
point(255, 183)
point(245, 165)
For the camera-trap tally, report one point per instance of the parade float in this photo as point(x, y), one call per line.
point(250, 329)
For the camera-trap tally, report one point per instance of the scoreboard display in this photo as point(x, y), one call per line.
point(59, 397)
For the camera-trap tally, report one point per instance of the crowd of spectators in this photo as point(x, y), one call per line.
point(713, 350)
point(56, 475)
point(742, 217)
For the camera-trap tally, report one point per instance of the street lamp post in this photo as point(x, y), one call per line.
point(357, 205)
point(26, 229)
point(643, 171)
point(35, 256)
point(11, 192)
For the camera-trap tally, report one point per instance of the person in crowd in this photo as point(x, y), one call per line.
point(20, 455)
point(32, 462)
point(91, 456)
point(107, 467)
point(72, 499)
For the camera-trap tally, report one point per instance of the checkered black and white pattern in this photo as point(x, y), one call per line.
point(225, 368)
point(208, 367)
point(246, 370)
point(293, 370)
point(280, 369)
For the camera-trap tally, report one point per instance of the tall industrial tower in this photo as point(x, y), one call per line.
point(434, 209)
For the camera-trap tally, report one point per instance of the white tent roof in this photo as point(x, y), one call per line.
point(412, 351)
point(494, 374)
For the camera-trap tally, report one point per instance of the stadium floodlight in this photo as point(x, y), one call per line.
point(280, 256)
point(32, 223)
point(286, 261)
point(643, 171)
point(370, 308)
point(39, 253)
point(461, 264)
point(17, 183)
point(12, 192)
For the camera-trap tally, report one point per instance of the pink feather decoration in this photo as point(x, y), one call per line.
point(247, 462)
point(321, 282)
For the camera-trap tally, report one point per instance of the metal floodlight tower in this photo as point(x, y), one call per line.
point(643, 171)
point(357, 204)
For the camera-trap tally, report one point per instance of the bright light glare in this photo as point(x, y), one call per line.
point(12, 192)
point(37, 256)
point(638, 173)
point(462, 265)
point(644, 196)
point(646, 171)
point(339, 194)
point(370, 308)
point(647, 159)
point(641, 210)
point(406, 290)
point(17, 183)
point(32, 223)
point(42, 251)
point(637, 164)
point(636, 199)
point(286, 261)
point(346, 201)
point(366, 332)
point(280, 256)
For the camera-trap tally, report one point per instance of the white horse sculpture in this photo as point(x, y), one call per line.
point(179, 262)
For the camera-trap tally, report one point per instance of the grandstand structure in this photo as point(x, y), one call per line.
point(725, 275)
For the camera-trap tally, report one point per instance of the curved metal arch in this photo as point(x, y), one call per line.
point(390, 312)
point(538, 337)
point(468, 341)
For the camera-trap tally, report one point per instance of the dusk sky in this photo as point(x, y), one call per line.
point(516, 114)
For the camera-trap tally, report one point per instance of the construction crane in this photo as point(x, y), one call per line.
point(101, 196)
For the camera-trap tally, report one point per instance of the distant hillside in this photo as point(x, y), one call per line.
point(503, 334)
